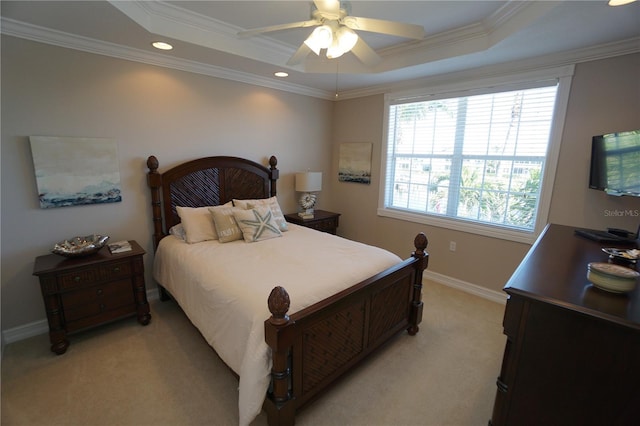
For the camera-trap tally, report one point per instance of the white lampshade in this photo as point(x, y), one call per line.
point(347, 38)
point(344, 39)
point(309, 182)
point(320, 38)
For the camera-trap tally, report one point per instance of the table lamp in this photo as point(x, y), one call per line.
point(308, 183)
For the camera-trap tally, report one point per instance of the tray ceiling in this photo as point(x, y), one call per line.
point(460, 35)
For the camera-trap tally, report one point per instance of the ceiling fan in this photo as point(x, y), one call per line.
point(336, 32)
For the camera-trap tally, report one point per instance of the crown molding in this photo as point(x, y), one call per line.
point(572, 57)
point(472, 38)
point(57, 38)
point(61, 39)
point(169, 20)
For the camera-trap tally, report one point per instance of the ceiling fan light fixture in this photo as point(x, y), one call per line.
point(347, 38)
point(335, 50)
point(320, 38)
point(344, 40)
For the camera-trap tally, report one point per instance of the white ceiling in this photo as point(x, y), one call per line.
point(460, 35)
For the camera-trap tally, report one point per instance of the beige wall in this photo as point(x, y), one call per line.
point(605, 97)
point(149, 110)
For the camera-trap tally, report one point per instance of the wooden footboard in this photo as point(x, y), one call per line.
point(314, 347)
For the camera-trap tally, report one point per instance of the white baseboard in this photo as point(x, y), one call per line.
point(485, 293)
point(25, 331)
point(36, 328)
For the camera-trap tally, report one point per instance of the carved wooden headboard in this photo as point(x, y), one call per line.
point(208, 181)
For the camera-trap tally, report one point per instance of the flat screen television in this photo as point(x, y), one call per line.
point(615, 163)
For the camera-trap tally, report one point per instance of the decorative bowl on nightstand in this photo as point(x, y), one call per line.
point(80, 246)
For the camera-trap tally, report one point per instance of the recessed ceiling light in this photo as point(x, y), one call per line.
point(162, 45)
point(281, 74)
point(620, 2)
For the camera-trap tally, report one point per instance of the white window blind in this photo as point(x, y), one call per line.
point(478, 158)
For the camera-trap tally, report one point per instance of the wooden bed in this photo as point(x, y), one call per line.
point(377, 308)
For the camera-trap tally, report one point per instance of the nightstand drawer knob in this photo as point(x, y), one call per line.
point(116, 269)
point(102, 306)
point(99, 292)
point(77, 278)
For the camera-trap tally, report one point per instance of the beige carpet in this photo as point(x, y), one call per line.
point(165, 374)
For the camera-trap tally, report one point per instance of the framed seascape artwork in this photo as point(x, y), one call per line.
point(75, 171)
point(355, 163)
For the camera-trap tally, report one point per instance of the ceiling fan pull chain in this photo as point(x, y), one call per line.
point(337, 69)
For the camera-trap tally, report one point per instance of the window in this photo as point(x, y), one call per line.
point(475, 161)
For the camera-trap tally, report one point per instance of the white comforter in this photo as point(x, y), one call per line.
point(223, 289)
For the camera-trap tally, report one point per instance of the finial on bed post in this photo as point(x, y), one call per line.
point(154, 180)
point(275, 174)
point(152, 164)
point(422, 257)
point(278, 306)
point(278, 334)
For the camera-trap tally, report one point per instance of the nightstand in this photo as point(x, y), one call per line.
point(81, 293)
point(322, 221)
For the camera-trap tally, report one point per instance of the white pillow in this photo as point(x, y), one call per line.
point(257, 224)
point(226, 225)
point(197, 223)
point(272, 203)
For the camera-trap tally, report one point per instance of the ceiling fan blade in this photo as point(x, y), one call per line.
point(301, 24)
point(365, 54)
point(399, 29)
point(328, 6)
point(300, 55)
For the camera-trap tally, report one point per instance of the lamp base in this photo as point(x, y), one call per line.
point(307, 203)
point(306, 214)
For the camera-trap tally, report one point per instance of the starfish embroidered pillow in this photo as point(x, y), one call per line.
point(257, 224)
point(272, 203)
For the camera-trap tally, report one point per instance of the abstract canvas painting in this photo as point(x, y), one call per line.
point(355, 163)
point(75, 171)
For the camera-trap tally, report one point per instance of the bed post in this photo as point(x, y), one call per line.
point(154, 180)
point(278, 333)
point(275, 173)
point(420, 243)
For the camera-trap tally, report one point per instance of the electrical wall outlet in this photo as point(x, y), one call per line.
point(452, 246)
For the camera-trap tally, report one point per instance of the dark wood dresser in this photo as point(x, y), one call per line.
point(572, 355)
point(80, 293)
point(321, 221)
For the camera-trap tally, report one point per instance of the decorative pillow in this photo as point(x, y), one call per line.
point(257, 224)
point(226, 225)
point(272, 203)
point(178, 231)
point(197, 224)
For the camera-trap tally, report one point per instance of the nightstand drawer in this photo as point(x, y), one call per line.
point(94, 300)
point(78, 278)
point(322, 220)
point(103, 316)
point(103, 292)
point(117, 270)
point(327, 225)
point(82, 277)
